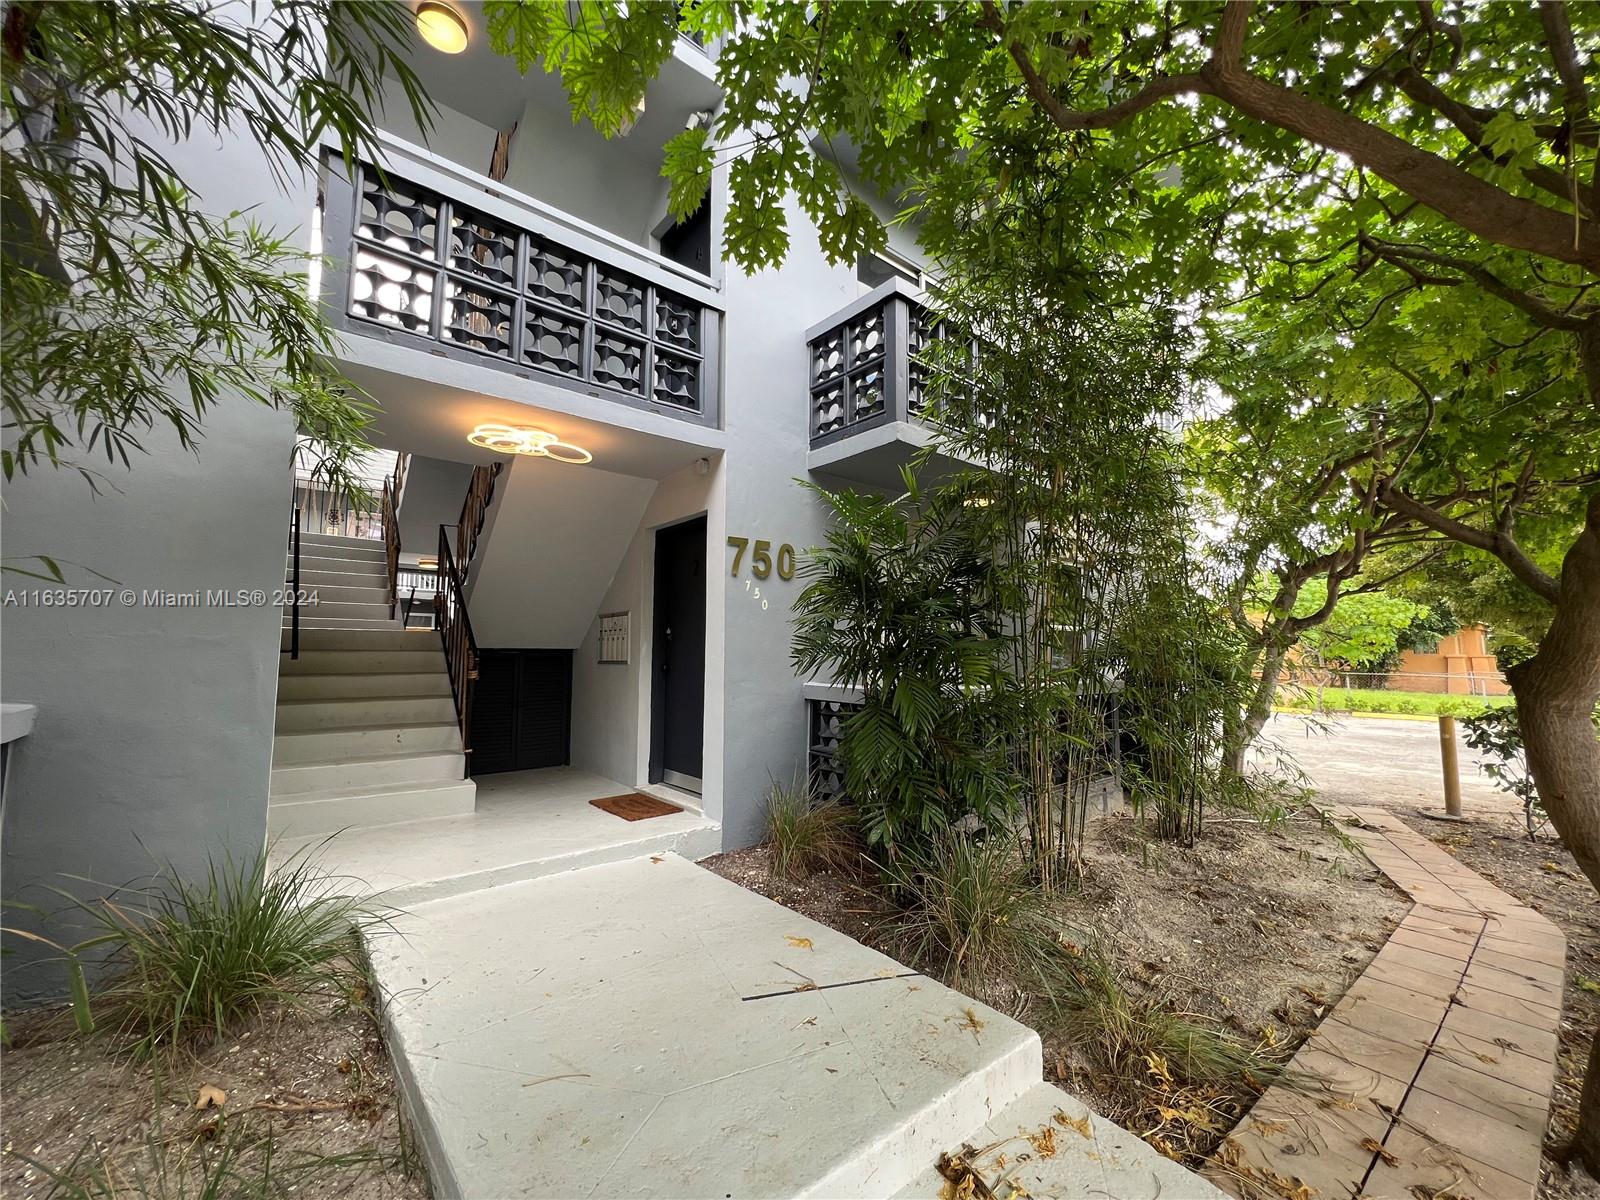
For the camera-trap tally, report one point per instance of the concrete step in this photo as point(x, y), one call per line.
point(307, 813)
point(339, 540)
point(362, 662)
point(354, 774)
point(307, 622)
point(349, 610)
point(365, 712)
point(815, 1067)
point(369, 639)
point(365, 687)
point(1092, 1156)
point(374, 592)
point(337, 570)
point(336, 745)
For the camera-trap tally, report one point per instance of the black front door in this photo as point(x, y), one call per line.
point(678, 699)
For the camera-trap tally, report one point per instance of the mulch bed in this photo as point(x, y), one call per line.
point(312, 1081)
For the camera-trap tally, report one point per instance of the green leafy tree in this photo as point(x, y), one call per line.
point(1364, 627)
point(1410, 187)
point(127, 307)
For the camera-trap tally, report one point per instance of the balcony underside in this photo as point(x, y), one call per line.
point(875, 457)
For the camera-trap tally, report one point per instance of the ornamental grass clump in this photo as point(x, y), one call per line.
point(971, 912)
point(186, 960)
point(805, 835)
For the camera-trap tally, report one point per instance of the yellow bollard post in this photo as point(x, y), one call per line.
point(1452, 776)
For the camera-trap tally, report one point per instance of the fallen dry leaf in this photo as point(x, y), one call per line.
point(210, 1097)
point(1079, 1125)
point(1044, 1141)
point(1376, 1147)
point(972, 1022)
point(799, 943)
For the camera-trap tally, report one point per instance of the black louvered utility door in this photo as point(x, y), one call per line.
point(521, 710)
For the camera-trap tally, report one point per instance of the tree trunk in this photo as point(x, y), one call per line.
point(1254, 718)
point(1556, 693)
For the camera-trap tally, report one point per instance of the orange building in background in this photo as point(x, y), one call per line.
point(1460, 666)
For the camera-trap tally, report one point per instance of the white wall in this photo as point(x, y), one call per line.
point(154, 738)
point(766, 403)
point(558, 534)
point(453, 135)
point(611, 702)
point(609, 184)
point(434, 491)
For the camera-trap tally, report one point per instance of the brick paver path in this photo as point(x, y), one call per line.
point(1432, 1076)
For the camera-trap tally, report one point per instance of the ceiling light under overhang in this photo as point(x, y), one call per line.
point(520, 439)
point(442, 27)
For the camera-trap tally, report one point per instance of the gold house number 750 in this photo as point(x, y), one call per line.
point(761, 561)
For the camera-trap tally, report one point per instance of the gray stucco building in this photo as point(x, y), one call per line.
point(629, 613)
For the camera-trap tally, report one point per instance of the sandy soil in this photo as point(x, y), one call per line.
point(1259, 930)
point(312, 1085)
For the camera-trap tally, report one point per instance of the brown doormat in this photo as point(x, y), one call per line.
point(635, 806)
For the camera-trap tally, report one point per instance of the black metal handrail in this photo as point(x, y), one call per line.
point(474, 508)
point(455, 632)
point(391, 544)
point(294, 586)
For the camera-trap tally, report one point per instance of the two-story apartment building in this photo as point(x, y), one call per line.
point(598, 428)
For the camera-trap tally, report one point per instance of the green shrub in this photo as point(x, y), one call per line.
point(804, 835)
point(1405, 704)
point(190, 959)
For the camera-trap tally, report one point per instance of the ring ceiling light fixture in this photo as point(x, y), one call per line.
point(442, 27)
point(519, 439)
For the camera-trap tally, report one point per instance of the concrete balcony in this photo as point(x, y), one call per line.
point(437, 258)
point(869, 386)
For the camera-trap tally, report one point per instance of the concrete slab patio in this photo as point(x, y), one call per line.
point(527, 824)
point(646, 1028)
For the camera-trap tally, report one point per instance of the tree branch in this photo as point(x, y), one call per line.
point(1070, 119)
point(1545, 314)
point(1476, 205)
point(1502, 547)
point(1470, 122)
point(1558, 35)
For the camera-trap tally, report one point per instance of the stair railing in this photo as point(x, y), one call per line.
point(455, 631)
point(294, 586)
point(480, 491)
point(450, 600)
point(391, 542)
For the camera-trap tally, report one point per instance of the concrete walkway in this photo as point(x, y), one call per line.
point(647, 1028)
point(1432, 1075)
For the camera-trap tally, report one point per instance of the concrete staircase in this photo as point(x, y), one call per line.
point(350, 580)
point(366, 730)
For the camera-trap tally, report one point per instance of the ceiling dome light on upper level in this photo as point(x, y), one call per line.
point(442, 27)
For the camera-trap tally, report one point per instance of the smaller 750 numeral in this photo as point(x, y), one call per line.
point(761, 560)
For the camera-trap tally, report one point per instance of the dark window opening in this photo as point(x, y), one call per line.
point(688, 243)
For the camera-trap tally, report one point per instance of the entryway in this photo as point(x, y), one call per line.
point(678, 693)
